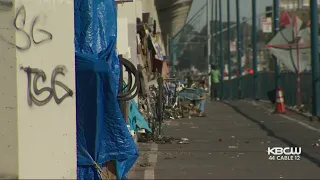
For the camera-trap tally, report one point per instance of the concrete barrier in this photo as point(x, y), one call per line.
point(37, 89)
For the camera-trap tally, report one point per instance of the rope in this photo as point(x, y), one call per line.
point(95, 164)
point(100, 171)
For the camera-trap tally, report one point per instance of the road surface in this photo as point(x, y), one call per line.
point(231, 143)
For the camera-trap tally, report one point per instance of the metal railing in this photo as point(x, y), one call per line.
point(239, 48)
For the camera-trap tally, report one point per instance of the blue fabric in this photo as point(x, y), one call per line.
point(202, 103)
point(102, 134)
point(191, 94)
point(136, 120)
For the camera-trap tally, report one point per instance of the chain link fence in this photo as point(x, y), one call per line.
point(235, 52)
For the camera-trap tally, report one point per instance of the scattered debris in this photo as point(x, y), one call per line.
point(167, 158)
point(220, 140)
point(233, 147)
point(184, 141)
point(172, 140)
point(316, 144)
point(280, 176)
point(145, 165)
point(233, 137)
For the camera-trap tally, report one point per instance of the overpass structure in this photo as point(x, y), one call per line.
point(172, 15)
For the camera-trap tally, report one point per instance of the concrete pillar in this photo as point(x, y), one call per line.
point(37, 86)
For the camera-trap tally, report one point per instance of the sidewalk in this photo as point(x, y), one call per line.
point(231, 143)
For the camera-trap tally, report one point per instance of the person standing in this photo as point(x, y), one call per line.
point(214, 77)
point(202, 85)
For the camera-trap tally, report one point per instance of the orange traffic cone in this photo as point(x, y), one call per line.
point(280, 107)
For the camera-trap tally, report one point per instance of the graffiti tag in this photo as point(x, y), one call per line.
point(19, 24)
point(38, 73)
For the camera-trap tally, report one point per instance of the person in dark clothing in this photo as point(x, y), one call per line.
point(189, 80)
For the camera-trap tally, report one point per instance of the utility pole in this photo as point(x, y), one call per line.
point(239, 53)
point(221, 52)
point(276, 29)
point(172, 57)
point(208, 40)
point(315, 59)
point(216, 37)
point(229, 53)
point(254, 49)
point(211, 32)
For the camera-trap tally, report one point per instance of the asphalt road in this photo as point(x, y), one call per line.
point(231, 143)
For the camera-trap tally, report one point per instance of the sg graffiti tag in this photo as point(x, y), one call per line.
point(19, 24)
point(38, 73)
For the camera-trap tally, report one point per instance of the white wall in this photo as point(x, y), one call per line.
point(127, 15)
point(37, 141)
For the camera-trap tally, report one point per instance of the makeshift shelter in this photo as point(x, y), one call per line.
point(102, 134)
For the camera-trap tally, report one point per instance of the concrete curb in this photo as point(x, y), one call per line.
point(307, 115)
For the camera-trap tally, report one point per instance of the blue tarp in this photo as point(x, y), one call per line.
point(136, 120)
point(191, 94)
point(102, 134)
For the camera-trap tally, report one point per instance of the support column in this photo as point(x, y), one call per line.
point(221, 53)
point(229, 53)
point(254, 49)
point(239, 52)
point(216, 33)
point(315, 59)
point(208, 41)
point(37, 92)
point(276, 29)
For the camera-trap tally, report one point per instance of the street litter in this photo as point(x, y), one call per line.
point(316, 144)
point(172, 140)
point(233, 147)
point(145, 165)
point(184, 141)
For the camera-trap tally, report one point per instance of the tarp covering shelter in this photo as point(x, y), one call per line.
point(136, 120)
point(191, 94)
point(102, 134)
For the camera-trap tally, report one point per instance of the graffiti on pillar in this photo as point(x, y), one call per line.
point(33, 90)
point(19, 24)
point(6, 5)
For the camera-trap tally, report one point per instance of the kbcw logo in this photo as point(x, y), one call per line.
point(287, 153)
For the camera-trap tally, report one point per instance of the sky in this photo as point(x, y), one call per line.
point(245, 8)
